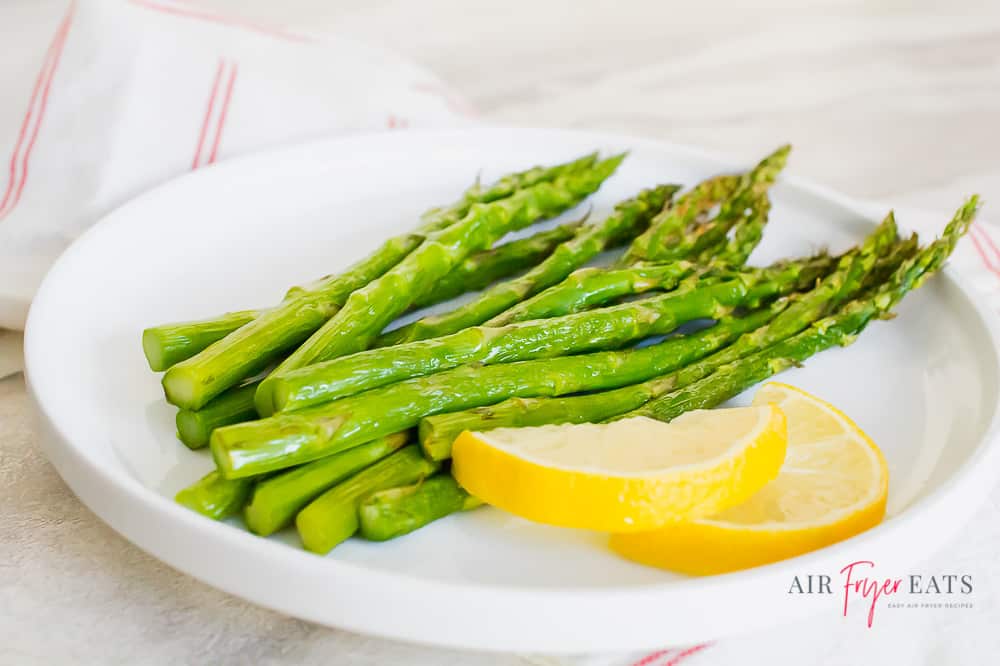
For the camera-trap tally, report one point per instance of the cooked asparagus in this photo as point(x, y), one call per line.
point(369, 309)
point(252, 347)
point(394, 512)
point(629, 217)
point(194, 427)
point(438, 432)
point(605, 328)
point(172, 343)
point(277, 499)
point(333, 516)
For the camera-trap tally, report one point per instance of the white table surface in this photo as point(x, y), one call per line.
point(894, 101)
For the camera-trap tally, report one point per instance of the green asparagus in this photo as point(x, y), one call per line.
point(484, 268)
point(276, 500)
point(588, 288)
point(674, 220)
point(839, 329)
point(369, 309)
point(565, 375)
point(332, 517)
point(291, 438)
point(591, 287)
point(172, 343)
point(169, 344)
point(194, 427)
point(394, 512)
point(629, 217)
point(438, 432)
point(746, 235)
point(214, 496)
point(606, 328)
point(252, 347)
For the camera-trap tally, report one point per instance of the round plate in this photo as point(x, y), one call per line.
point(235, 236)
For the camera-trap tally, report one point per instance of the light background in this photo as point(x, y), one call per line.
point(892, 101)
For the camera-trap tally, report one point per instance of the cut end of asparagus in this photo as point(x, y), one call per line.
point(181, 388)
point(215, 497)
point(153, 348)
point(263, 399)
point(190, 430)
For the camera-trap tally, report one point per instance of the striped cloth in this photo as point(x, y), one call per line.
point(116, 96)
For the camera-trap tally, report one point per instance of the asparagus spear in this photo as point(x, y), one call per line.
point(752, 186)
point(291, 438)
point(605, 328)
point(674, 220)
point(252, 347)
point(333, 516)
point(438, 432)
point(747, 233)
point(573, 374)
point(194, 427)
point(587, 288)
point(484, 268)
point(172, 343)
point(669, 238)
point(277, 499)
point(214, 496)
point(839, 329)
point(391, 513)
point(629, 217)
point(591, 287)
point(369, 309)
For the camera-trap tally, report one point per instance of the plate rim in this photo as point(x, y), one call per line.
point(75, 466)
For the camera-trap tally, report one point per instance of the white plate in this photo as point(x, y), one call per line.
point(234, 236)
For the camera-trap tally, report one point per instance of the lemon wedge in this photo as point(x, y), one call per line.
point(633, 474)
point(832, 486)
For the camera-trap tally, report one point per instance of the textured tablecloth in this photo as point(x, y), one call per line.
point(883, 100)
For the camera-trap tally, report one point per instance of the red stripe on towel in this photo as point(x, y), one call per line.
point(208, 115)
point(686, 653)
point(223, 113)
point(650, 658)
point(34, 116)
point(989, 240)
point(222, 19)
point(981, 251)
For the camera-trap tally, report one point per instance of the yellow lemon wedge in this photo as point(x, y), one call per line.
point(632, 474)
point(832, 486)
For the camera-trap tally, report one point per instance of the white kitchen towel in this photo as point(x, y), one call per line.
point(116, 96)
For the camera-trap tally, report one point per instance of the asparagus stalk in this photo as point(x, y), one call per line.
point(291, 438)
point(369, 309)
point(169, 344)
point(629, 217)
point(391, 513)
point(674, 220)
point(277, 499)
point(484, 268)
point(752, 186)
point(591, 287)
point(214, 496)
point(172, 343)
point(333, 516)
point(587, 288)
point(747, 233)
point(194, 427)
point(669, 237)
point(438, 432)
point(606, 328)
point(574, 374)
point(839, 329)
point(251, 348)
